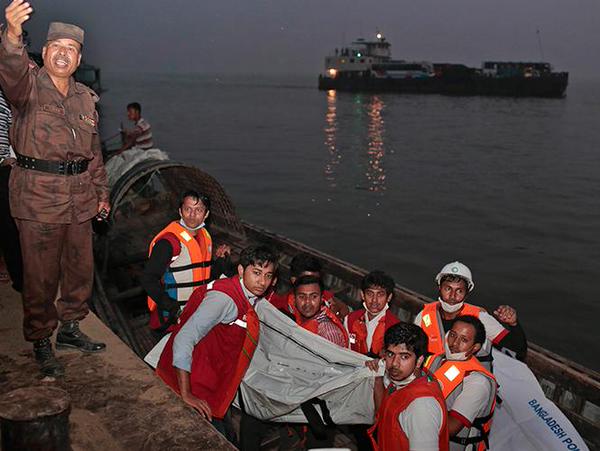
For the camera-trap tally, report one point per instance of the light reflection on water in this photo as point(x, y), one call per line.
point(376, 148)
point(331, 127)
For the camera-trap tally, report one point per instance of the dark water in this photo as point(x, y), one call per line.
point(407, 183)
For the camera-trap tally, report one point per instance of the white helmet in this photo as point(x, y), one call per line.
point(457, 269)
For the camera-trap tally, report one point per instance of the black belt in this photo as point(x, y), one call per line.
point(69, 167)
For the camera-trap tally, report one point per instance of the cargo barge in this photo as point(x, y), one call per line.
point(368, 66)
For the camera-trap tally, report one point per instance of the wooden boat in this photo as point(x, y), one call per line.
point(146, 198)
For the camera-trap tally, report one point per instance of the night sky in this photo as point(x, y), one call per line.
point(293, 36)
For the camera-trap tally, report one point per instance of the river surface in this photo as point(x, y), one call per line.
point(406, 183)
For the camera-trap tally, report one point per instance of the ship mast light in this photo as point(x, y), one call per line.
point(379, 36)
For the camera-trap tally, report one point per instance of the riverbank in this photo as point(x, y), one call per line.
point(117, 402)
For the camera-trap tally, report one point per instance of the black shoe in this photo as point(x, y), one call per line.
point(69, 336)
point(49, 365)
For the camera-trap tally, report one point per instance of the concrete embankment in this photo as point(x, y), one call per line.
point(117, 402)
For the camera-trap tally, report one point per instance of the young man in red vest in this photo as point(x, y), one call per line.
point(209, 351)
point(411, 409)
point(308, 309)
point(469, 388)
point(367, 326)
point(306, 265)
point(180, 260)
point(311, 313)
point(455, 282)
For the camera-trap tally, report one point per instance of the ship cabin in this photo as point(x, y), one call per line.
point(358, 57)
point(373, 59)
point(515, 69)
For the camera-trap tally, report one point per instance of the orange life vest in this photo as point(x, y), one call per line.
point(431, 323)
point(357, 330)
point(188, 270)
point(450, 375)
point(312, 325)
point(387, 429)
point(221, 358)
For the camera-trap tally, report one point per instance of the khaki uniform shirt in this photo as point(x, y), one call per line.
point(50, 126)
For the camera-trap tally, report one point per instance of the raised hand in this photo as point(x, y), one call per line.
point(506, 314)
point(17, 13)
point(222, 251)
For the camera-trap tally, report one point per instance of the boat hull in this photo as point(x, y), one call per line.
point(552, 85)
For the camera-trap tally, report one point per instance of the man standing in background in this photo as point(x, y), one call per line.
point(58, 185)
point(9, 234)
point(140, 136)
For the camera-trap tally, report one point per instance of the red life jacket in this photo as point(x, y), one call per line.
point(451, 375)
point(390, 436)
point(221, 358)
point(431, 323)
point(357, 329)
point(187, 271)
point(312, 325)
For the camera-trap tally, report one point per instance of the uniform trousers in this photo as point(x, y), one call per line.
point(54, 255)
point(9, 234)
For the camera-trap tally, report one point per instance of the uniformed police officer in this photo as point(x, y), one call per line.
point(58, 185)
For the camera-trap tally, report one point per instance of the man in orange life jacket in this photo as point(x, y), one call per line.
point(367, 326)
point(180, 260)
point(469, 388)
point(210, 349)
point(306, 265)
point(502, 330)
point(411, 412)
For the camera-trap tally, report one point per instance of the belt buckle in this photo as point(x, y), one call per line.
point(70, 167)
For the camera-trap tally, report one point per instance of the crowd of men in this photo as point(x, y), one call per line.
point(438, 390)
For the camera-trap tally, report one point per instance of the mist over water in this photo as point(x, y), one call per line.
point(406, 183)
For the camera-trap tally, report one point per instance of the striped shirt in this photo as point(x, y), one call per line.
point(329, 331)
point(143, 134)
point(5, 120)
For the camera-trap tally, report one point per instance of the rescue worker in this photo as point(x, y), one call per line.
point(58, 185)
point(469, 388)
point(179, 261)
point(455, 282)
point(210, 349)
point(411, 412)
point(311, 313)
point(140, 136)
point(366, 327)
point(307, 265)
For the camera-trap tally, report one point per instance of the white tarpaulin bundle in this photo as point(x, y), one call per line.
point(119, 164)
point(526, 420)
point(292, 365)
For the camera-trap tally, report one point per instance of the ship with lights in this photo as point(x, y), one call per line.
point(367, 65)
